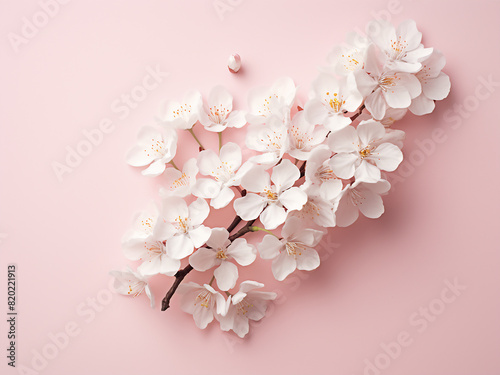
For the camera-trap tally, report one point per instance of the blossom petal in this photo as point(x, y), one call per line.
point(173, 207)
point(155, 169)
point(308, 260)
point(230, 155)
point(367, 172)
point(198, 211)
point(387, 156)
point(179, 246)
point(242, 252)
point(222, 199)
point(369, 131)
point(203, 259)
point(343, 165)
point(226, 275)
point(293, 198)
point(219, 238)
point(345, 140)
point(437, 88)
point(250, 206)
point(284, 175)
point(347, 213)
point(256, 179)
point(273, 216)
point(283, 266)
point(199, 235)
point(371, 205)
point(422, 105)
point(270, 247)
point(206, 188)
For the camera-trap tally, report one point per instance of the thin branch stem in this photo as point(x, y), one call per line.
point(255, 229)
point(234, 223)
point(244, 230)
point(196, 138)
point(173, 164)
point(220, 140)
point(179, 276)
point(355, 116)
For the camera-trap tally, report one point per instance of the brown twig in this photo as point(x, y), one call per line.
point(355, 116)
point(179, 276)
point(243, 230)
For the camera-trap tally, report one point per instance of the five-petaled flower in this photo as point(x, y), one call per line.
point(294, 251)
point(219, 251)
point(270, 200)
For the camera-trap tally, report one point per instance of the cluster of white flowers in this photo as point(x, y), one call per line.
point(312, 169)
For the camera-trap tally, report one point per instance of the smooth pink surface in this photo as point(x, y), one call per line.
point(441, 222)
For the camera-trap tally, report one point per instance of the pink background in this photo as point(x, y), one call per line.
point(441, 221)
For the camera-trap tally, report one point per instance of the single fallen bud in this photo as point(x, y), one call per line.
point(234, 63)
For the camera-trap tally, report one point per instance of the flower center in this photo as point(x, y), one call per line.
point(334, 103)
point(147, 225)
point(385, 82)
point(218, 114)
point(350, 62)
point(365, 152)
point(157, 148)
point(136, 288)
point(325, 173)
point(154, 248)
point(221, 254)
point(243, 307)
point(181, 110)
point(294, 248)
point(204, 299)
point(181, 181)
point(182, 224)
point(398, 47)
point(270, 195)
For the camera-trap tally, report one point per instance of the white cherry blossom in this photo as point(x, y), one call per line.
point(317, 210)
point(154, 148)
point(226, 172)
point(320, 174)
point(435, 84)
point(294, 251)
point(183, 114)
point(180, 183)
point(218, 114)
point(219, 251)
point(247, 304)
point(401, 46)
point(348, 57)
point(185, 225)
point(276, 100)
point(385, 88)
point(304, 136)
point(130, 283)
point(361, 197)
point(203, 302)
point(270, 200)
point(270, 139)
point(360, 153)
point(332, 98)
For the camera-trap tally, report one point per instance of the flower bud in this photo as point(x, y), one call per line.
point(234, 63)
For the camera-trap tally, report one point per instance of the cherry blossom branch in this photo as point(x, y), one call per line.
point(191, 131)
point(355, 116)
point(244, 230)
point(179, 276)
point(234, 223)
